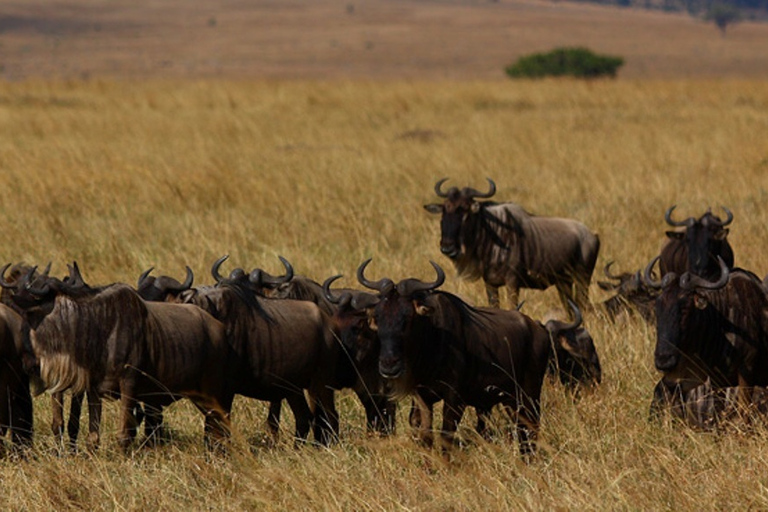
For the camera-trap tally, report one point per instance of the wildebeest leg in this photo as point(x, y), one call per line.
point(273, 419)
point(421, 420)
point(127, 419)
point(73, 423)
point(453, 410)
point(493, 295)
point(528, 415)
point(21, 420)
point(94, 420)
point(326, 418)
point(57, 420)
point(301, 414)
point(154, 431)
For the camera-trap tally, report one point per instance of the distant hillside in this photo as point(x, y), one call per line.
point(755, 10)
point(357, 39)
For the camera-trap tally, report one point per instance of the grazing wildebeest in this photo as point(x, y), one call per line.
point(632, 295)
point(503, 244)
point(280, 348)
point(697, 247)
point(435, 346)
point(109, 341)
point(709, 331)
point(15, 399)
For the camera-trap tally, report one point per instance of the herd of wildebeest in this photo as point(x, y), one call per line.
point(287, 337)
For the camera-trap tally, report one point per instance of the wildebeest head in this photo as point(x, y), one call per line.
point(457, 206)
point(681, 310)
point(162, 288)
point(705, 238)
point(396, 316)
point(631, 292)
point(576, 360)
point(350, 319)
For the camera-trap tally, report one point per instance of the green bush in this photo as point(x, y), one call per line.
point(578, 62)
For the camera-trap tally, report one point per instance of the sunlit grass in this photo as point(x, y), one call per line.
point(124, 176)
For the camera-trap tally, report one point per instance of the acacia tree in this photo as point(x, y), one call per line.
point(723, 15)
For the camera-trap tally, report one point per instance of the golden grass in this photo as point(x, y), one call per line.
point(123, 176)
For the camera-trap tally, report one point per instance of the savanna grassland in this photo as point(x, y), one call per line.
point(121, 176)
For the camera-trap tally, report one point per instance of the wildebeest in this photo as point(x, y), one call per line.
point(163, 288)
point(16, 413)
point(708, 408)
point(709, 330)
point(280, 348)
point(435, 346)
point(503, 244)
point(697, 247)
point(631, 295)
point(107, 340)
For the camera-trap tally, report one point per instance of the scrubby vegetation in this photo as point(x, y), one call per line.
point(577, 62)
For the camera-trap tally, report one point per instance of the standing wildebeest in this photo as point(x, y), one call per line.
point(13, 274)
point(280, 348)
point(15, 399)
point(632, 295)
point(436, 347)
point(697, 247)
point(504, 244)
point(109, 341)
point(709, 331)
point(355, 368)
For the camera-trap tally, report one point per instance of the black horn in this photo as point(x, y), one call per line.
point(186, 285)
point(728, 219)
point(278, 280)
point(648, 277)
point(379, 285)
point(143, 277)
point(215, 268)
point(408, 287)
point(690, 281)
point(556, 326)
point(677, 223)
point(438, 189)
point(607, 272)
point(471, 192)
point(3, 282)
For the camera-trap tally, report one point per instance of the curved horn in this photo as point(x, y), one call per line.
point(556, 326)
point(75, 278)
point(274, 281)
point(471, 192)
point(46, 270)
point(143, 277)
point(647, 278)
point(35, 291)
point(328, 294)
point(3, 282)
point(668, 217)
point(186, 285)
point(728, 219)
point(373, 285)
point(408, 287)
point(215, 268)
point(690, 281)
point(608, 274)
point(438, 186)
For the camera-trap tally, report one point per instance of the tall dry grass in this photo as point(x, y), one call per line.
point(123, 176)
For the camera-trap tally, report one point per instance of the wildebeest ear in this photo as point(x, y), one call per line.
point(434, 208)
point(700, 301)
point(721, 234)
point(422, 309)
point(676, 235)
point(475, 207)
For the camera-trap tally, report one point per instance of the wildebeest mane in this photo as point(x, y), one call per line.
point(468, 314)
point(249, 298)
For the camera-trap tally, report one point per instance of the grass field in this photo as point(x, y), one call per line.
point(121, 176)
